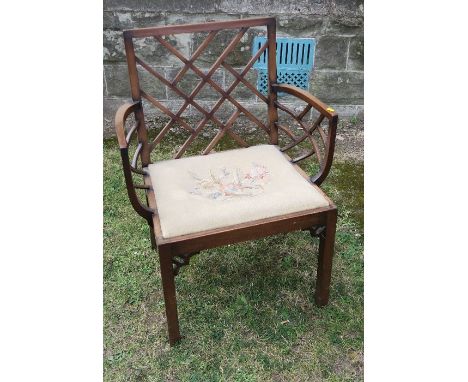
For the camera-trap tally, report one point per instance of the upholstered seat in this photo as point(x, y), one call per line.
point(200, 193)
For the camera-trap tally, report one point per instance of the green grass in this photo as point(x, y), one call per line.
point(246, 310)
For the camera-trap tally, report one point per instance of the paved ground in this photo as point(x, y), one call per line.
point(350, 141)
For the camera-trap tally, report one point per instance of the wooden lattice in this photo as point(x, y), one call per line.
point(308, 131)
point(189, 99)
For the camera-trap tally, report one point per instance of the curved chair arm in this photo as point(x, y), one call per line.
point(326, 112)
point(120, 117)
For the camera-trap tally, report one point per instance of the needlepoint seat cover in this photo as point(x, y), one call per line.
point(204, 192)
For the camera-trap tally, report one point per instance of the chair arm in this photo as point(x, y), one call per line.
point(306, 97)
point(326, 112)
point(120, 117)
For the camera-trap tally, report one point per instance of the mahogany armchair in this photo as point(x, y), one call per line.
point(205, 201)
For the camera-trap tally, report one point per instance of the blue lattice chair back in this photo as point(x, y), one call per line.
point(294, 62)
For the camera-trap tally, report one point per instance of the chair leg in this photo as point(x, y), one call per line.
point(324, 269)
point(168, 284)
point(152, 238)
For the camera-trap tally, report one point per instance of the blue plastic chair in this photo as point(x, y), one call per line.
point(294, 62)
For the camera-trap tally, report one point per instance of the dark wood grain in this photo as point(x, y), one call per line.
point(169, 290)
point(202, 27)
point(272, 77)
point(324, 268)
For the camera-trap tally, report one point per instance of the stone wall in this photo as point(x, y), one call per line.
point(337, 25)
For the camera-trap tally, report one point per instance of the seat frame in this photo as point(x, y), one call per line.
point(176, 252)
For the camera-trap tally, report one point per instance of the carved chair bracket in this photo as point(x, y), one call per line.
point(318, 231)
point(180, 261)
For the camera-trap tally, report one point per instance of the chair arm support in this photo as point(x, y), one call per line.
point(120, 117)
point(142, 210)
point(328, 113)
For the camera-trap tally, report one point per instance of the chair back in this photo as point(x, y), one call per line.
point(208, 79)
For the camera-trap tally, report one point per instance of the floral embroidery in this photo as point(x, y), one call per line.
point(227, 183)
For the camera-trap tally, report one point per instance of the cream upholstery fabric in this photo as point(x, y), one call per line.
point(203, 192)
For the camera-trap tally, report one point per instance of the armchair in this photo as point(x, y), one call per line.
point(217, 198)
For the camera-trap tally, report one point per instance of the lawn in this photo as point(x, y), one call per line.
point(246, 310)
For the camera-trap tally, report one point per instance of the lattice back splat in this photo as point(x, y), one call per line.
point(221, 114)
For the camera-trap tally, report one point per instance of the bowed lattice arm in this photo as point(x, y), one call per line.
point(327, 138)
point(130, 167)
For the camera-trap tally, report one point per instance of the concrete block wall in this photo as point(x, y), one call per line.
point(337, 25)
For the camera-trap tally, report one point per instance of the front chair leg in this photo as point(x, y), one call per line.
point(327, 242)
point(168, 284)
